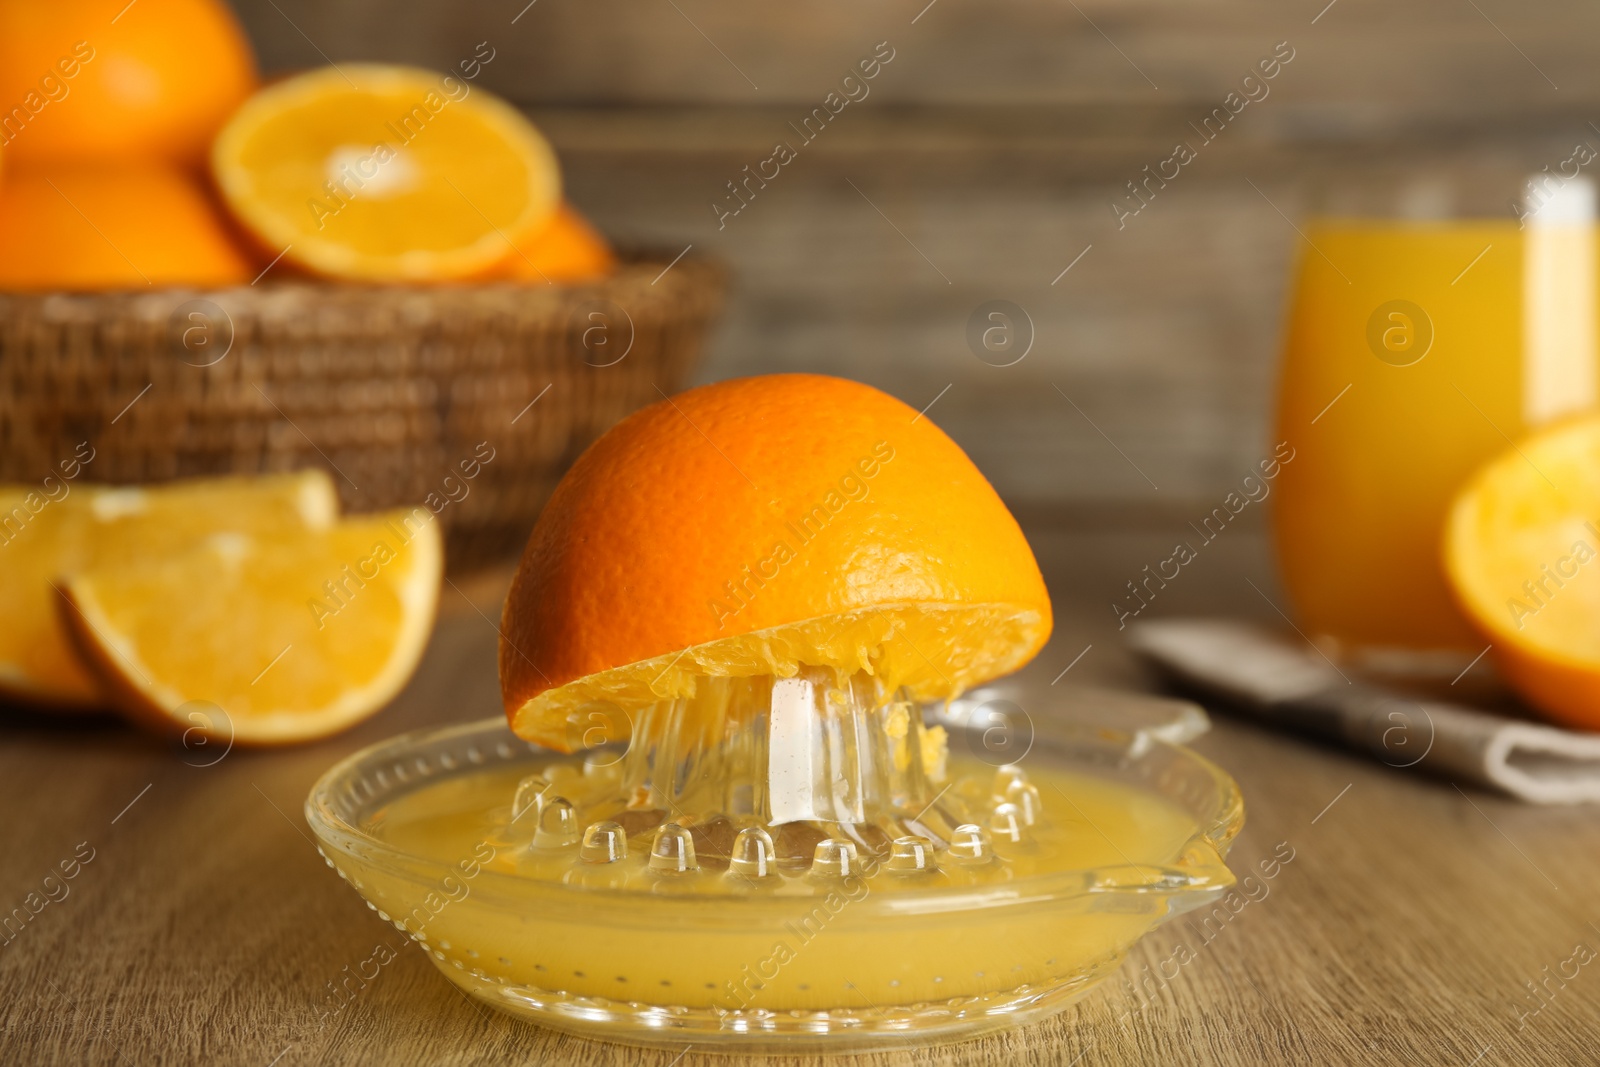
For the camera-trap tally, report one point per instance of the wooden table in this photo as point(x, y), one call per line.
point(206, 929)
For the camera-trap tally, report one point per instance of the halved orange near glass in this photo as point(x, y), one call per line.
point(1522, 552)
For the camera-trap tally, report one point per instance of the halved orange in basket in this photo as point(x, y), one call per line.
point(386, 173)
point(292, 638)
point(1522, 552)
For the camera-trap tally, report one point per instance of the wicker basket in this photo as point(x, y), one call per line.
point(398, 393)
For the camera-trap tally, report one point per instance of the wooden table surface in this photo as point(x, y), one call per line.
point(206, 929)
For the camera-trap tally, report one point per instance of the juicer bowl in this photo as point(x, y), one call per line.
point(863, 966)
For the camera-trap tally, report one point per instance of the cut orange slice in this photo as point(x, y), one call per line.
point(1522, 552)
point(291, 638)
point(386, 173)
point(62, 525)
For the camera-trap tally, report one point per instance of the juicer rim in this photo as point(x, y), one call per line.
point(1206, 849)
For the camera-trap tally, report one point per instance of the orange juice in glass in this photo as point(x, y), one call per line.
point(1414, 352)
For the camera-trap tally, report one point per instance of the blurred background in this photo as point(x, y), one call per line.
point(985, 160)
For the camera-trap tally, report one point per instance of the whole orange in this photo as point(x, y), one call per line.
point(756, 526)
point(109, 79)
point(131, 227)
point(566, 251)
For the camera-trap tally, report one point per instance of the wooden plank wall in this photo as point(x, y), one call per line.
point(1364, 60)
point(986, 158)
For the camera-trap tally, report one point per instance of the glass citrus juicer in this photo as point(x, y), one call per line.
point(765, 807)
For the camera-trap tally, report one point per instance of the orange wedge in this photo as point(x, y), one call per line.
point(386, 173)
point(63, 525)
point(292, 638)
point(755, 527)
point(1522, 553)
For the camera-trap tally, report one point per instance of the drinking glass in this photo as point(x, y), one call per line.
point(1414, 352)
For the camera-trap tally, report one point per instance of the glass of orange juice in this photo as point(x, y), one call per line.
point(1414, 352)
